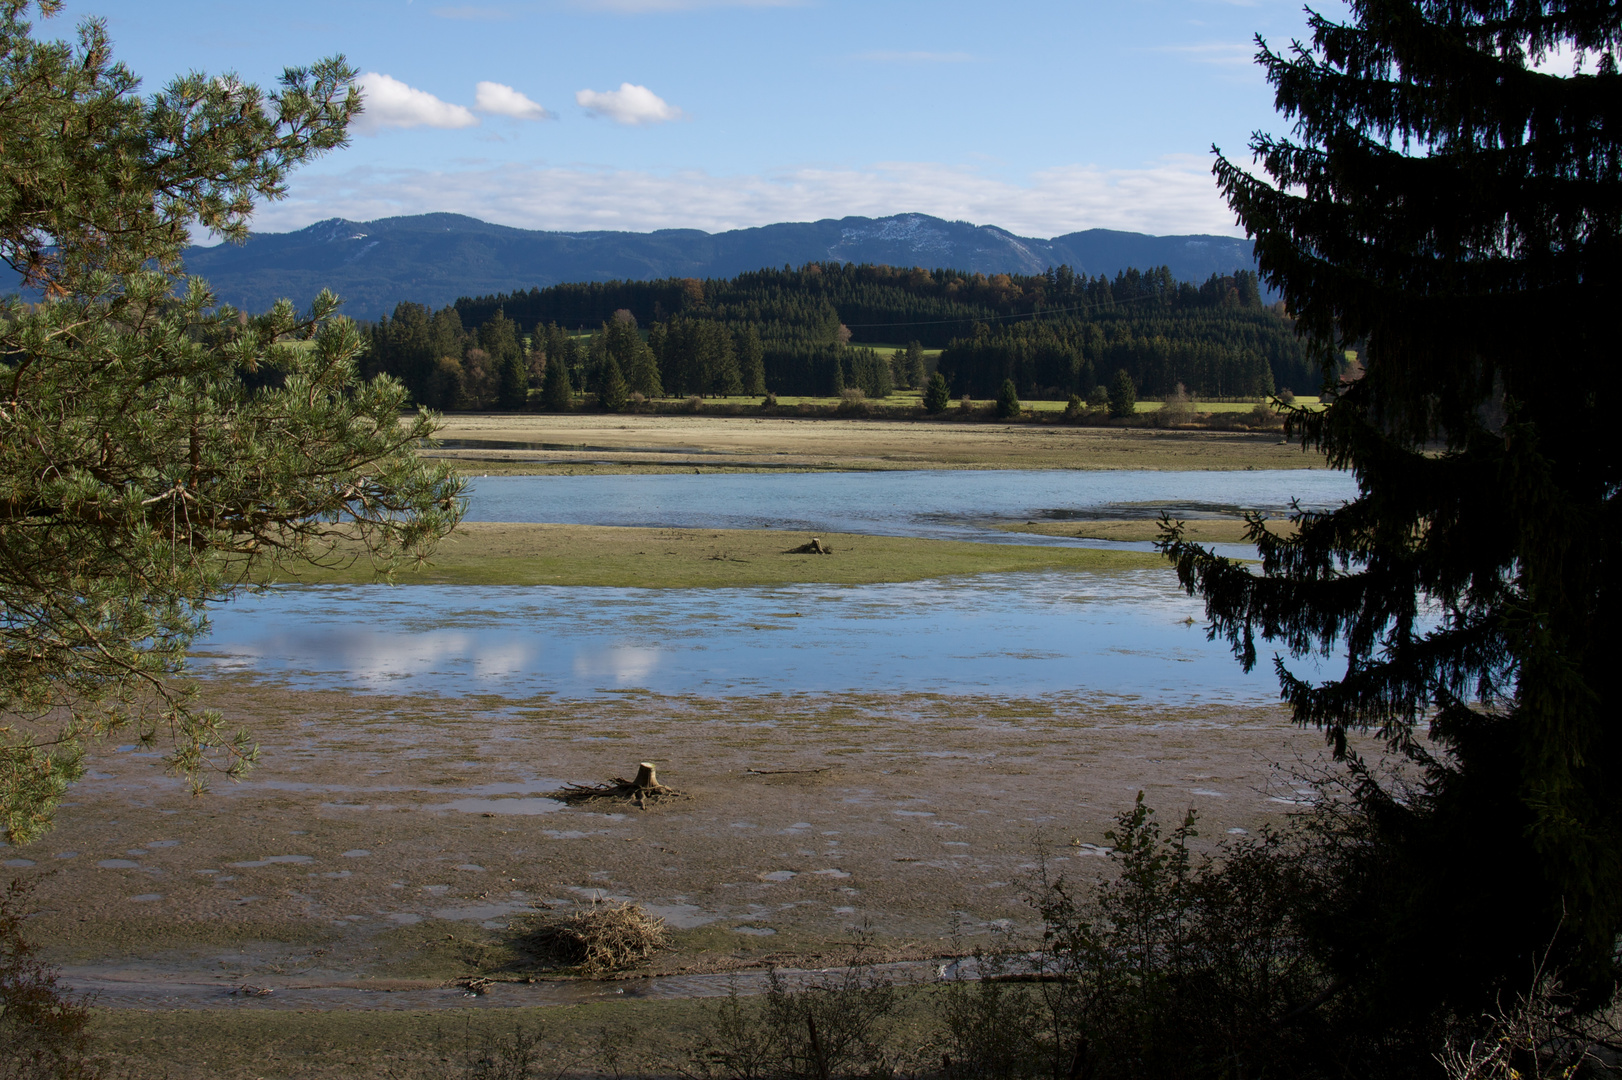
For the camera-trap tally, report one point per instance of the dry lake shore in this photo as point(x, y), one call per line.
point(595, 442)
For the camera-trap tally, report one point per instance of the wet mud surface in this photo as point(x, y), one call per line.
point(388, 845)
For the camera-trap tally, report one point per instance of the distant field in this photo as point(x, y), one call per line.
point(914, 398)
point(589, 442)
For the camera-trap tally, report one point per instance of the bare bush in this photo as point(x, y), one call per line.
point(1542, 1035)
point(836, 1026)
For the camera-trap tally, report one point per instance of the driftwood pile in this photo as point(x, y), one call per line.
point(599, 937)
point(815, 547)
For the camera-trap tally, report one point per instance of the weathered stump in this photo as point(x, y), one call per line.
point(641, 790)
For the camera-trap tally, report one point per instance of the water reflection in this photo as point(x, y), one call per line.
point(1129, 634)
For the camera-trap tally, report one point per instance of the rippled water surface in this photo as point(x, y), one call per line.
point(942, 504)
point(1118, 634)
point(1113, 633)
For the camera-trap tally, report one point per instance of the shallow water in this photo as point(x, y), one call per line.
point(1128, 634)
point(940, 504)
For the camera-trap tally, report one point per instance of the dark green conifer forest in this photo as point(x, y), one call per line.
point(789, 331)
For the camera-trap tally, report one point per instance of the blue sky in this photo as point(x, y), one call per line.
point(1041, 117)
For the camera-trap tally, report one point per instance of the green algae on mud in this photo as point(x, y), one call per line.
point(642, 1037)
point(602, 555)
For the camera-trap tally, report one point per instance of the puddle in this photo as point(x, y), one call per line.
point(681, 916)
point(501, 806)
point(297, 860)
point(482, 912)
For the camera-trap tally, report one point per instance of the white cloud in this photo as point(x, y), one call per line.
point(1216, 52)
point(391, 103)
point(630, 104)
point(493, 97)
point(1173, 195)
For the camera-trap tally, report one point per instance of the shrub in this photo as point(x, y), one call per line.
point(693, 404)
point(1123, 395)
point(769, 402)
point(494, 1057)
point(1177, 408)
point(937, 395)
point(1098, 398)
point(852, 402)
point(1285, 395)
point(1074, 408)
point(42, 1032)
point(994, 1027)
point(835, 1026)
point(1007, 399)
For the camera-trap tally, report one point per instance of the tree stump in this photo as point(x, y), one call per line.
point(641, 790)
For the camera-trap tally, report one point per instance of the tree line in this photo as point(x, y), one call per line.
point(789, 331)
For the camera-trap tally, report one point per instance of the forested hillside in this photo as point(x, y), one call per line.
point(434, 258)
point(790, 331)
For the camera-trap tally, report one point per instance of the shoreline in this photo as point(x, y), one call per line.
point(575, 443)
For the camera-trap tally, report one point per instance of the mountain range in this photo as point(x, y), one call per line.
point(435, 258)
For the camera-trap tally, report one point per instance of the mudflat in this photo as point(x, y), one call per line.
point(576, 443)
point(482, 553)
point(389, 845)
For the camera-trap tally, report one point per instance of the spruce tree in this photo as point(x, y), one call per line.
point(1457, 212)
point(611, 391)
point(1007, 400)
point(642, 375)
point(751, 360)
point(914, 364)
point(558, 393)
point(937, 395)
point(1123, 395)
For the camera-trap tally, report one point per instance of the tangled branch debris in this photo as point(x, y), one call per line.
point(815, 547)
point(643, 790)
point(601, 937)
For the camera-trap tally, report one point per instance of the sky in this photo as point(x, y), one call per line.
point(1040, 117)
